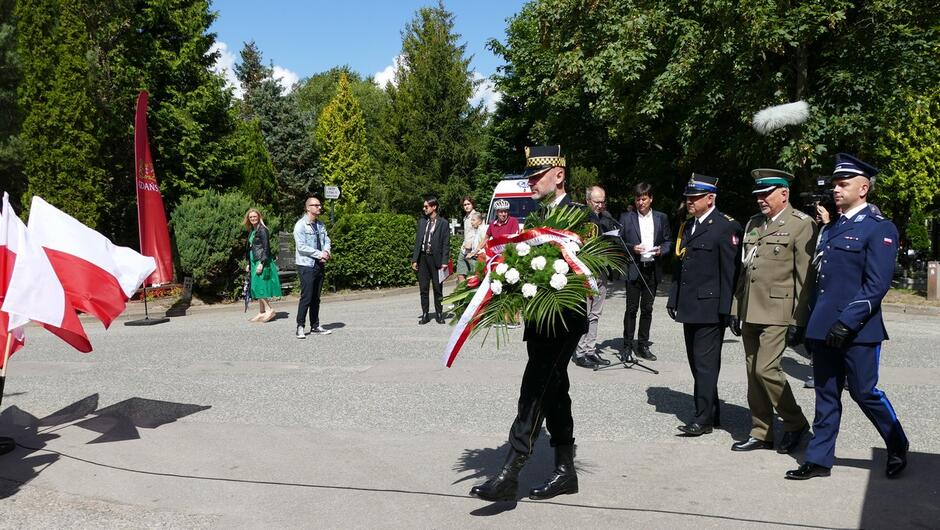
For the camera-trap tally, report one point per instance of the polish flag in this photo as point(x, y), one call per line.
point(7, 258)
point(98, 276)
point(33, 291)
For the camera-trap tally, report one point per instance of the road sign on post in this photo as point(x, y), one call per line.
point(331, 193)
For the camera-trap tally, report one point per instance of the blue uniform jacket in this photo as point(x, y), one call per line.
point(854, 275)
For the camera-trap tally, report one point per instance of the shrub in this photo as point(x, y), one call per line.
point(211, 240)
point(372, 250)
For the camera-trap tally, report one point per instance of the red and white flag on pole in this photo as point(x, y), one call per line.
point(98, 276)
point(7, 258)
point(33, 291)
point(151, 216)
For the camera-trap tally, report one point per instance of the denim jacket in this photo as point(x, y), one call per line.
point(305, 242)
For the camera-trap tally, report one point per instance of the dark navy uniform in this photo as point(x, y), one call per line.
point(855, 271)
point(701, 295)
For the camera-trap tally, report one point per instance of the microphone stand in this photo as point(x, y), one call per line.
point(629, 360)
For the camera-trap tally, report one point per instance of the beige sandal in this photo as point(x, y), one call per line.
point(267, 316)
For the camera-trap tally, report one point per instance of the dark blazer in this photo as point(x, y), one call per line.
point(259, 246)
point(440, 241)
point(662, 237)
point(703, 287)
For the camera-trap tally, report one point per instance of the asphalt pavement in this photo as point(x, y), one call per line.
point(210, 421)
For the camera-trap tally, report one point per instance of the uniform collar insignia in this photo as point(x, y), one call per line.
point(859, 218)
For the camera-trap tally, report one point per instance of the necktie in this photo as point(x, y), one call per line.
point(694, 226)
point(427, 236)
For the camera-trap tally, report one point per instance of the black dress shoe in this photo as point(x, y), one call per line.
point(807, 471)
point(751, 444)
point(439, 317)
point(597, 359)
point(791, 440)
point(695, 429)
point(897, 461)
point(584, 362)
point(424, 319)
point(645, 353)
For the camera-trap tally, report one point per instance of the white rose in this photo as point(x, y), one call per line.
point(497, 286)
point(512, 276)
point(561, 266)
point(501, 269)
point(558, 281)
point(529, 290)
point(538, 263)
point(523, 249)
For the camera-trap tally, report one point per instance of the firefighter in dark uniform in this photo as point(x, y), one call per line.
point(845, 327)
point(544, 391)
point(701, 294)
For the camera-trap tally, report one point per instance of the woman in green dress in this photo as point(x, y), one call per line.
point(265, 283)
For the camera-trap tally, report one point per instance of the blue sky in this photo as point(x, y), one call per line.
point(306, 37)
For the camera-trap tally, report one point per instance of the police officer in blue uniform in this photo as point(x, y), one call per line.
point(701, 294)
point(845, 327)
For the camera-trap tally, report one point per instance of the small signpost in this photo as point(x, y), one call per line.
point(331, 193)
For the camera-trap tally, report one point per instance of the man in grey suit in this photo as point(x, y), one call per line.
point(430, 255)
point(648, 238)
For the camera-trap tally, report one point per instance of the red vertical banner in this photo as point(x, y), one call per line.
point(151, 217)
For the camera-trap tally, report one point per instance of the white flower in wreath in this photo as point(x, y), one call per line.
point(501, 269)
point(512, 276)
point(529, 290)
point(538, 263)
point(523, 249)
point(497, 286)
point(558, 281)
point(561, 266)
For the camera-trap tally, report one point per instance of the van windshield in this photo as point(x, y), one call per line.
point(519, 207)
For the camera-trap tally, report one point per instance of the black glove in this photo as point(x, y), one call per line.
point(734, 324)
point(672, 312)
point(838, 335)
point(795, 336)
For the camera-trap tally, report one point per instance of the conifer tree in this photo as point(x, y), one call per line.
point(341, 139)
point(258, 179)
point(11, 167)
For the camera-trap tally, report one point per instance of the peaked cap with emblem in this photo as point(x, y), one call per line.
point(701, 185)
point(769, 179)
point(847, 166)
point(541, 158)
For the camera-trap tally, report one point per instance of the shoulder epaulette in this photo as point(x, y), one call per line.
point(799, 214)
point(728, 217)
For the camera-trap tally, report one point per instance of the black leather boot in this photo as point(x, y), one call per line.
point(504, 486)
point(564, 480)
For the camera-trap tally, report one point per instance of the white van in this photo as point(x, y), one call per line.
point(515, 189)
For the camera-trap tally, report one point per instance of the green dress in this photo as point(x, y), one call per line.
point(264, 285)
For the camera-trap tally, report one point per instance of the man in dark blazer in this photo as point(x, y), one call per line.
point(702, 292)
point(649, 239)
point(543, 394)
point(430, 256)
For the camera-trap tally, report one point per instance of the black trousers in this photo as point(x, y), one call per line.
point(428, 277)
point(703, 347)
point(311, 281)
point(638, 297)
point(544, 394)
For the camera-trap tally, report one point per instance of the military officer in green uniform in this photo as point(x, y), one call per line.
point(771, 307)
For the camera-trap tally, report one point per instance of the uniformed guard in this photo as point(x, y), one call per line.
point(543, 394)
point(701, 293)
point(845, 328)
point(771, 307)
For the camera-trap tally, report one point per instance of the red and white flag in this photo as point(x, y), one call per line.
point(33, 291)
point(7, 258)
point(98, 276)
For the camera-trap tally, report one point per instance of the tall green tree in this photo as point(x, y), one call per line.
point(251, 73)
point(61, 127)
point(11, 163)
point(341, 142)
point(433, 135)
point(258, 178)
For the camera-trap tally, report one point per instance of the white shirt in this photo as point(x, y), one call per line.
point(646, 234)
point(702, 218)
point(851, 213)
point(558, 199)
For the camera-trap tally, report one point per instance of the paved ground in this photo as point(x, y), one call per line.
point(210, 421)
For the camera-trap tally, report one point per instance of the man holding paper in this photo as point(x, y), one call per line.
point(429, 258)
point(649, 239)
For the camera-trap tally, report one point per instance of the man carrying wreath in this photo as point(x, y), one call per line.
point(544, 391)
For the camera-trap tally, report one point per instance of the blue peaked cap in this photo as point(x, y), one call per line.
point(847, 166)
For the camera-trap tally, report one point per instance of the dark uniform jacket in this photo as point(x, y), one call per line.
point(440, 241)
point(703, 287)
point(855, 272)
point(576, 322)
point(662, 238)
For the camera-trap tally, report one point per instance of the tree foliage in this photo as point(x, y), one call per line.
point(258, 179)
point(341, 140)
point(11, 164)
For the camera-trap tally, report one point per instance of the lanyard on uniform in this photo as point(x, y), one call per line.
point(680, 250)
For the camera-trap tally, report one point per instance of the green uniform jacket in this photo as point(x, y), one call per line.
point(777, 277)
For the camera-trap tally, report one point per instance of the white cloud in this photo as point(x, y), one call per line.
point(485, 92)
point(284, 77)
point(388, 74)
point(225, 65)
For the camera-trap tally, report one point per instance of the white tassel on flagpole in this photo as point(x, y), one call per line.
point(777, 116)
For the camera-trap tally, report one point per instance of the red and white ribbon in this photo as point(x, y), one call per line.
point(471, 315)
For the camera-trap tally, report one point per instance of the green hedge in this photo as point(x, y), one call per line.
point(372, 250)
